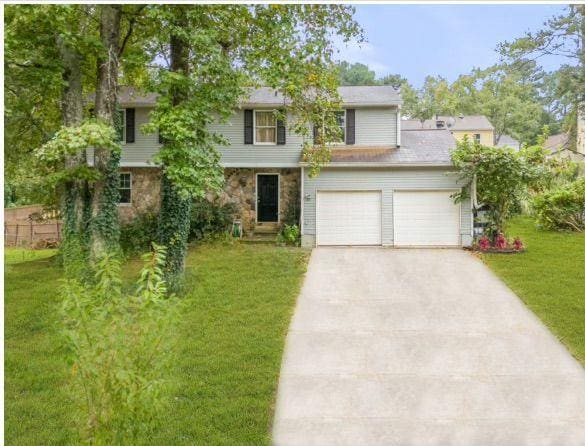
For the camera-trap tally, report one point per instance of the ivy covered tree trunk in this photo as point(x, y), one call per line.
point(104, 224)
point(74, 202)
point(174, 225)
point(175, 212)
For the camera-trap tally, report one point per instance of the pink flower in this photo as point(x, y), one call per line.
point(518, 245)
point(500, 241)
point(484, 243)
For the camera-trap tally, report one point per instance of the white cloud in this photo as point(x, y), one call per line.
point(365, 53)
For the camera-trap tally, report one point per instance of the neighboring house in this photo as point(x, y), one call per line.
point(559, 146)
point(476, 127)
point(508, 141)
point(384, 185)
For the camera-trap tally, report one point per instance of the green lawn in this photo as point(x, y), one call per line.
point(19, 255)
point(550, 278)
point(223, 383)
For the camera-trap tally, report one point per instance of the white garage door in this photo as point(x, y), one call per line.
point(426, 218)
point(349, 218)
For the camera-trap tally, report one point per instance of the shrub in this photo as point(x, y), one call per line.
point(209, 218)
point(289, 235)
point(562, 208)
point(501, 176)
point(137, 235)
point(120, 345)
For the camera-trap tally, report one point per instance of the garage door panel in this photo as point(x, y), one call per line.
point(349, 218)
point(426, 218)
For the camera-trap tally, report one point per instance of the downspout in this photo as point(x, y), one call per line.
point(398, 126)
point(474, 192)
point(302, 222)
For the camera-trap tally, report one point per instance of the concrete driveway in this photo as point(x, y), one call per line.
point(421, 347)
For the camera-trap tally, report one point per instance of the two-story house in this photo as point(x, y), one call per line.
point(385, 185)
point(475, 127)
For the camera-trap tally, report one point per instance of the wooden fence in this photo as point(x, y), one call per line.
point(31, 226)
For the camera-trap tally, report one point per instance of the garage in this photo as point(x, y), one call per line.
point(426, 218)
point(349, 218)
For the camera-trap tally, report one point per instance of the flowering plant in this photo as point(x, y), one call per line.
point(518, 245)
point(500, 242)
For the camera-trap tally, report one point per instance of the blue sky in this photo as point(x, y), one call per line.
point(446, 40)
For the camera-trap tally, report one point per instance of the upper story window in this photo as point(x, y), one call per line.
point(121, 125)
point(264, 127)
point(339, 136)
point(477, 137)
point(125, 188)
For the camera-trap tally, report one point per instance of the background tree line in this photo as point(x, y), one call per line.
point(516, 95)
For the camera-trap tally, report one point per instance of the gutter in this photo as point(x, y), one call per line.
point(364, 164)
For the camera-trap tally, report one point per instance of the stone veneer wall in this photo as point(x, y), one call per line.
point(239, 189)
point(145, 192)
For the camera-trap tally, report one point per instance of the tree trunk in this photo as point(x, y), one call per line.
point(74, 196)
point(104, 224)
point(175, 213)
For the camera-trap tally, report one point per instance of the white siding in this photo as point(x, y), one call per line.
point(375, 127)
point(387, 180)
point(238, 154)
point(144, 147)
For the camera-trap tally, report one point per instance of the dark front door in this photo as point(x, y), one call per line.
point(267, 199)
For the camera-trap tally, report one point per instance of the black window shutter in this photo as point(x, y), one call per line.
point(248, 127)
point(350, 126)
point(130, 125)
point(280, 132)
point(161, 139)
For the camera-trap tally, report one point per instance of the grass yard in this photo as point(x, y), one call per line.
point(223, 383)
point(19, 255)
point(550, 278)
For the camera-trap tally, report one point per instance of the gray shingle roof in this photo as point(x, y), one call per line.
point(556, 143)
point(351, 96)
point(418, 147)
point(471, 122)
point(508, 141)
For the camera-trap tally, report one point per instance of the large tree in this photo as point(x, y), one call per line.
point(47, 59)
point(228, 50)
point(356, 74)
point(562, 36)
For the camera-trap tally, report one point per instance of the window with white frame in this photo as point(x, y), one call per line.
point(477, 137)
point(125, 188)
point(264, 127)
point(121, 125)
point(337, 135)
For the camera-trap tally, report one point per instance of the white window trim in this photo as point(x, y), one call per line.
point(130, 202)
point(341, 143)
point(278, 194)
point(256, 143)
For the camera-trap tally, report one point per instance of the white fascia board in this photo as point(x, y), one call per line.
point(377, 165)
point(262, 165)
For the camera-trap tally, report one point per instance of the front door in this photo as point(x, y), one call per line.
point(267, 198)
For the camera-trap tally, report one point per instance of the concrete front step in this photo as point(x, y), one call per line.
point(266, 228)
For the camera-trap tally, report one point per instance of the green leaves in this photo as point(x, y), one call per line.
point(120, 344)
point(503, 177)
point(70, 141)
